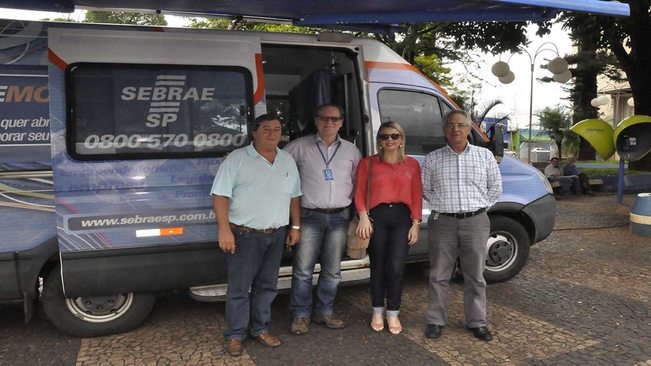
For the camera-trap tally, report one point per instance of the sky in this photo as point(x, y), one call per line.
point(516, 96)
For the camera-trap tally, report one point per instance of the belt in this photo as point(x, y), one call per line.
point(245, 228)
point(329, 210)
point(463, 215)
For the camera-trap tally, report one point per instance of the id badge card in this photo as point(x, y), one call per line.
point(328, 174)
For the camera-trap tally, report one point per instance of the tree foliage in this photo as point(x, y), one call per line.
point(454, 42)
point(629, 40)
point(109, 17)
point(239, 24)
point(427, 46)
point(589, 62)
point(556, 122)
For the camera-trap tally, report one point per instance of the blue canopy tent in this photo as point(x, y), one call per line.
point(382, 14)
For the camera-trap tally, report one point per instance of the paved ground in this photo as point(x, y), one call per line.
point(583, 299)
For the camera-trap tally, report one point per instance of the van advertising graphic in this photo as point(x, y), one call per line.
point(129, 203)
point(24, 115)
point(122, 203)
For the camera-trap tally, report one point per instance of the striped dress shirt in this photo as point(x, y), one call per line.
point(464, 182)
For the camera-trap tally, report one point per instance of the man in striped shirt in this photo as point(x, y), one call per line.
point(460, 182)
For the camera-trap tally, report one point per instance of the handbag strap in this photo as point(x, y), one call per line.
point(368, 186)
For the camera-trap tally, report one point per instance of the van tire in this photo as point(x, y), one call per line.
point(78, 318)
point(507, 249)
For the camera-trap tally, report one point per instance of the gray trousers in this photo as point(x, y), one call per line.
point(451, 238)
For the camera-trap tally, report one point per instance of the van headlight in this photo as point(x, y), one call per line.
point(545, 182)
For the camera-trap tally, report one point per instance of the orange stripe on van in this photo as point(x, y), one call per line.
point(56, 60)
point(172, 231)
point(257, 96)
point(408, 67)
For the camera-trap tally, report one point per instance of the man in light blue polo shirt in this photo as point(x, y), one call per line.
point(256, 190)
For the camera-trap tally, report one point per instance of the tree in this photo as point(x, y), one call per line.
point(93, 16)
point(240, 24)
point(590, 61)
point(450, 42)
point(628, 40)
point(556, 123)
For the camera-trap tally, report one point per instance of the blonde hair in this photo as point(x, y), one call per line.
point(401, 149)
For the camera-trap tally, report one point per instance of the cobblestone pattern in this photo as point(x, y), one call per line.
point(583, 299)
point(38, 343)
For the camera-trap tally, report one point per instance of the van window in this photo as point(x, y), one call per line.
point(420, 116)
point(156, 111)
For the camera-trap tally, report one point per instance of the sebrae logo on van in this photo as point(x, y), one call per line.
point(166, 98)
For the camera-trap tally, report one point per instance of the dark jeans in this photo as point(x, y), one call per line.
point(585, 182)
point(568, 183)
point(254, 266)
point(387, 252)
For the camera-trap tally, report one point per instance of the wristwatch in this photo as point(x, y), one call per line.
point(417, 222)
point(295, 227)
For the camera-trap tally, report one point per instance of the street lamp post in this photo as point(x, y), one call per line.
point(557, 66)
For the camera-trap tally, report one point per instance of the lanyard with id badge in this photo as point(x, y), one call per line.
point(328, 174)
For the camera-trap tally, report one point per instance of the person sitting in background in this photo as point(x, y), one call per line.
point(568, 182)
point(570, 169)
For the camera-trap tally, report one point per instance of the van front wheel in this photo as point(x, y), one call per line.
point(507, 249)
point(93, 316)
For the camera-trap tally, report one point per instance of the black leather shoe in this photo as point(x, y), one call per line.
point(482, 333)
point(433, 331)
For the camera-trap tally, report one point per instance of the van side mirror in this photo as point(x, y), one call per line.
point(496, 144)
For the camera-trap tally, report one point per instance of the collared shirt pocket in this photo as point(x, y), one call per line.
point(290, 183)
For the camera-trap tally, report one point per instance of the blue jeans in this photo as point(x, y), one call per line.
point(387, 252)
point(254, 266)
point(324, 236)
point(569, 183)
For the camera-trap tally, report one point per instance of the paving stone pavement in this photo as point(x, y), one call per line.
point(583, 299)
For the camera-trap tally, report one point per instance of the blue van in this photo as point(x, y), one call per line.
point(110, 137)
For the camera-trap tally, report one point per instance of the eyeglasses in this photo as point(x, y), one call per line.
point(328, 118)
point(385, 136)
point(452, 126)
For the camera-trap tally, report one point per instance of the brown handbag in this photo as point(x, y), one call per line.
point(356, 245)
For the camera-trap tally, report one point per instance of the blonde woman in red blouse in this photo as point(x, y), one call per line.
point(395, 211)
